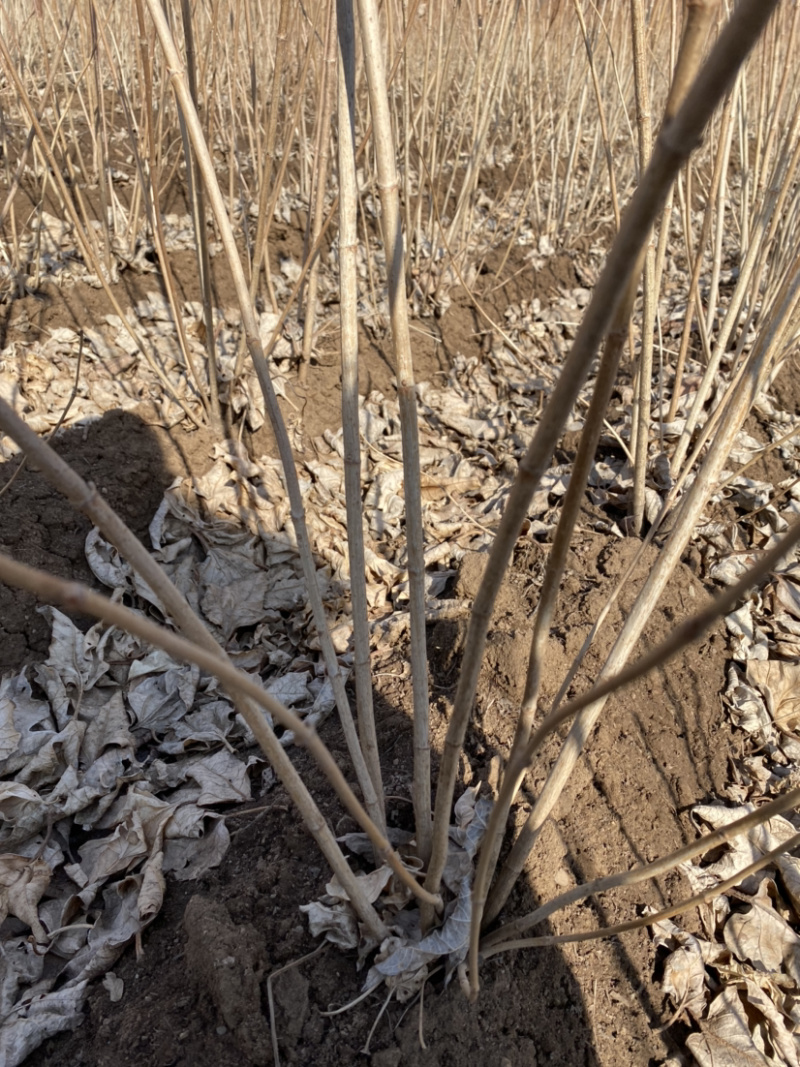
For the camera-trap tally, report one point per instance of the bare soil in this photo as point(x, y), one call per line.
point(197, 993)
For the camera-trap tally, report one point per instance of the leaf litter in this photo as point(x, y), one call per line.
point(114, 780)
point(739, 984)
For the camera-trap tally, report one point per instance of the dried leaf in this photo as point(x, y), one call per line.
point(747, 707)
point(22, 813)
point(787, 593)
point(20, 716)
point(73, 654)
point(291, 688)
point(107, 728)
point(745, 848)
point(106, 563)
point(471, 823)
point(31, 1023)
point(104, 856)
point(450, 940)
point(20, 966)
point(222, 779)
point(781, 1038)
point(750, 642)
point(684, 979)
point(189, 858)
point(780, 684)
point(22, 883)
point(726, 1039)
point(337, 923)
point(764, 939)
point(118, 924)
point(372, 883)
point(161, 692)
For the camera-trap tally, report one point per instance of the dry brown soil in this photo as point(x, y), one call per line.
point(197, 994)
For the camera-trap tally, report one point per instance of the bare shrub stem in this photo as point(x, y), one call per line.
point(407, 398)
point(348, 288)
point(674, 144)
point(206, 166)
point(724, 835)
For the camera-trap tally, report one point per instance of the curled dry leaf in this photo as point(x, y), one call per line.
point(22, 884)
point(778, 1025)
point(780, 684)
point(29, 1023)
point(684, 980)
point(337, 923)
point(761, 937)
point(727, 1038)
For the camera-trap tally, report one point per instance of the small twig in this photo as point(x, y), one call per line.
point(350, 1004)
point(374, 1027)
point(726, 834)
point(420, 1031)
point(248, 811)
point(650, 920)
point(675, 1015)
point(64, 929)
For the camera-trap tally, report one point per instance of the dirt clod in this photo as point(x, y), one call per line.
point(226, 961)
point(388, 1057)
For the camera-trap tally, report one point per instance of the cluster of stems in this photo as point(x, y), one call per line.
point(698, 88)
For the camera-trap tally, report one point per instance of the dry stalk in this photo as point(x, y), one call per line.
point(14, 183)
point(555, 565)
point(250, 326)
point(260, 252)
point(268, 163)
point(485, 102)
point(153, 207)
point(84, 234)
point(724, 835)
point(699, 15)
point(197, 200)
point(592, 701)
point(775, 334)
point(601, 113)
point(406, 394)
point(348, 288)
point(749, 282)
point(317, 212)
point(548, 597)
point(675, 141)
point(697, 268)
point(644, 377)
point(99, 130)
point(656, 917)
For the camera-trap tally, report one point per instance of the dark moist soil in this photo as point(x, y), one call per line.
point(197, 995)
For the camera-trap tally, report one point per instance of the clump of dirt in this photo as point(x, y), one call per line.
point(228, 962)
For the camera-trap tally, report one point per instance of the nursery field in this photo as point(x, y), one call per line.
point(268, 279)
